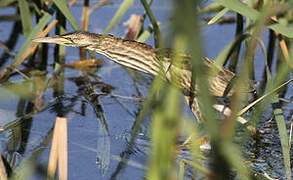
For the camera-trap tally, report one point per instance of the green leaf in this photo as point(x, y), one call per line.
point(37, 30)
point(212, 8)
point(149, 12)
point(26, 18)
point(279, 116)
point(253, 14)
point(122, 9)
point(270, 92)
point(4, 3)
point(164, 132)
point(145, 35)
point(21, 89)
point(62, 6)
point(224, 54)
point(218, 16)
point(233, 154)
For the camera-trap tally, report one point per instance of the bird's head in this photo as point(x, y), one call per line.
point(76, 39)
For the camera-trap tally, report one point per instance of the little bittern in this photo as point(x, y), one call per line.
point(142, 57)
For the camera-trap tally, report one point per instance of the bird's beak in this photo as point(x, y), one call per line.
point(54, 39)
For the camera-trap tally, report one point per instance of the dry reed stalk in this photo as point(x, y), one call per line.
point(62, 148)
point(53, 153)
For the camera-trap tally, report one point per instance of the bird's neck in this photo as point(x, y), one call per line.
point(128, 53)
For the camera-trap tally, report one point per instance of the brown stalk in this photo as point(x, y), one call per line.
point(84, 24)
point(52, 166)
point(283, 45)
point(62, 148)
point(58, 152)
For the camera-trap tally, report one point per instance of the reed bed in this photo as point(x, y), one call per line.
point(169, 125)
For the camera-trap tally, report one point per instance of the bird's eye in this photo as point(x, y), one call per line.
point(69, 39)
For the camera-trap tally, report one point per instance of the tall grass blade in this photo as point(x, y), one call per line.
point(33, 46)
point(120, 12)
point(145, 34)
point(62, 6)
point(155, 24)
point(212, 8)
point(4, 3)
point(26, 18)
point(253, 14)
point(21, 89)
point(28, 42)
point(25, 170)
point(60, 50)
point(164, 133)
point(233, 155)
point(262, 97)
point(225, 53)
point(181, 170)
point(218, 16)
point(279, 116)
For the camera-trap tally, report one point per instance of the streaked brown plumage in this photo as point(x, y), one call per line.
point(144, 58)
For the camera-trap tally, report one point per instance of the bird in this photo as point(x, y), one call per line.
point(142, 57)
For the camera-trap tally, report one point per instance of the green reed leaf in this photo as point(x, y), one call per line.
point(262, 97)
point(28, 42)
point(21, 89)
point(62, 6)
point(212, 8)
point(224, 54)
point(164, 133)
point(155, 24)
point(253, 14)
point(219, 16)
point(122, 9)
point(4, 3)
point(26, 18)
point(233, 154)
point(145, 35)
point(280, 119)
